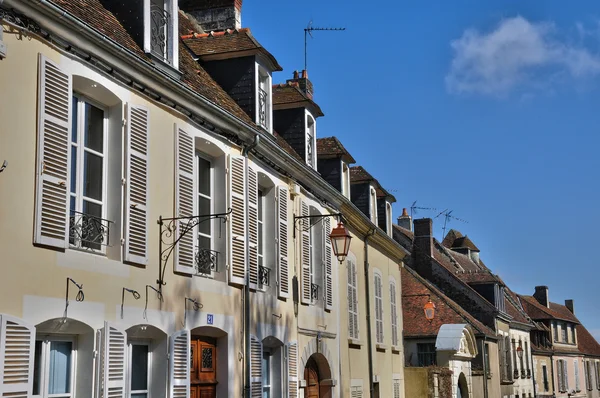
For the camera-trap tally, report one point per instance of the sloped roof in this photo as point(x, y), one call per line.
point(329, 147)
point(450, 237)
point(464, 243)
point(446, 311)
point(286, 146)
point(286, 94)
point(359, 175)
point(539, 312)
point(586, 343)
point(231, 43)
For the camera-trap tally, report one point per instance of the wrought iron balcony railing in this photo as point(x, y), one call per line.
point(87, 231)
point(264, 276)
point(516, 374)
point(206, 261)
point(314, 291)
point(528, 373)
point(262, 108)
point(159, 31)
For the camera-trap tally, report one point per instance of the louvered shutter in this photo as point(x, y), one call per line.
point(378, 309)
point(355, 300)
point(237, 226)
point(54, 132)
point(179, 364)
point(394, 315)
point(305, 253)
point(17, 342)
point(350, 300)
point(114, 362)
point(136, 189)
point(253, 227)
point(327, 263)
point(566, 375)
point(577, 384)
point(255, 368)
point(356, 392)
point(560, 375)
point(396, 388)
point(282, 243)
point(185, 201)
point(292, 368)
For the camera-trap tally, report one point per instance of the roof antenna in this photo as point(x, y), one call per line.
point(309, 28)
point(447, 217)
point(414, 208)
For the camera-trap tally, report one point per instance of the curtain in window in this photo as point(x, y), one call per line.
point(59, 379)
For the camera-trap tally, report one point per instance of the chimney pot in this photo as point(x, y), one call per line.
point(296, 75)
point(304, 74)
point(405, 221)
point(570, 306)
point(541, 295)
point(217, 15)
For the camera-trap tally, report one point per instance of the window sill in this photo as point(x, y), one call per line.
point(396, 349)
point(355, 342)
point(381, 347)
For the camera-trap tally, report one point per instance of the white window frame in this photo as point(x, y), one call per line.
point(262, 223)
point(345, 175)
point(388, 218)
point(211, 197)
point(79, 172)
point(45, 366)
point(130, 345)
point(373, 204)
point(312, 162)
point(171, 46)
point(267, 355)
point(262, 74)
point(353, 304)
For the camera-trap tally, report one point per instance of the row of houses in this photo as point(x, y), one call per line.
point(167, 211)
point(513, 345)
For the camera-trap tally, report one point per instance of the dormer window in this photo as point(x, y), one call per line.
point(263, 95)
point(373, 206)
point(311, 143)
point(388, 218)
point(345, 180)
point(161, 30)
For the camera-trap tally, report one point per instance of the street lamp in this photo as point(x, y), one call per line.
point(428, 308)
point(340, 241)
point(520, 352)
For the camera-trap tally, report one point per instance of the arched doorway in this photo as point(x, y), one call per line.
point(462, 390)
point(317, 375)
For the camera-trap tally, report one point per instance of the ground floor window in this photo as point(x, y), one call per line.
point(139, 366)
point(54, 364)
point(426, 354)
point(266, 374)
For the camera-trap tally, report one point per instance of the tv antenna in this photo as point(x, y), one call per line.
point(307, 32)
point(414, 208)
point(447, 218)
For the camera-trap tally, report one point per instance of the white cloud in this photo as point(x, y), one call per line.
point(516, 56)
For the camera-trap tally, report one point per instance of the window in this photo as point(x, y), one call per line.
point(139, 370)
point(522, 359)
point(54, 364)
point(345, 180)
point(316, 260)
point(378, 307)
point(266, 375)
point(352, 300)
point(597, 375)
point(507, 358)
point(394, 314)
point(563, 333)
point(87, 200)
point(426, 354)
point(311, 156)
point(388, 218)
point(588, 378)
point(545, 377)
point(262, 280)
point(160, 30)
point(488, 371)
point(555, 330)
point(204, 170)
point(526, 353)
point(577, 384)
point(573, 334)
point(562, 375)
point(264, 99)
point(373, 205)
point(514, 354)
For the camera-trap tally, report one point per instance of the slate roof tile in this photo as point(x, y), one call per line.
point(290, 93)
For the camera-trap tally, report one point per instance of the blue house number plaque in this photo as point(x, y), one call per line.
point(209, 319)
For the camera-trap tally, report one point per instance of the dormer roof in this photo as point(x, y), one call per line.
point(358, 175)
point(331, 147)
point(230, 43)
point(289, 95)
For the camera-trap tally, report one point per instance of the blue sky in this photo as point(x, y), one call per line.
point(485, 108)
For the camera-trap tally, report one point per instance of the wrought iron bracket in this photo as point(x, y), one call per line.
point(169, 236)
point(317, 217)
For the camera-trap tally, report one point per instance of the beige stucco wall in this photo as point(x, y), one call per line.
point(416, 382)
point(539, 362)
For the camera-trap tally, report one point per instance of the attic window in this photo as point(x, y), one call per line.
point(310, 141)
point(345, 180)
point(263, 116)
point(388, 218)
point(373, 206)
point(160, 30)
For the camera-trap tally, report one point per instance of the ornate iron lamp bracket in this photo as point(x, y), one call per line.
point(169, 236)
point(318, 218)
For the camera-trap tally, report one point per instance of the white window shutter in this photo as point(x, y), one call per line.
point(327, 263)
point(237, 225)
point(17, 343)
point(292, 368)
point(394, 314)
point(378, 309)
point(566, 373)
point(282, 243)
point(355, 300)
point(577, 384)
point(350, 287)
point(53, 157)
point(356, 392)
point(253, 227)
point(396, 388)
point(136, 189)
point(185, 202)
point(179, 364)
point(305, 253)
point(147, 27)
point(114, 361)
point(256, 377)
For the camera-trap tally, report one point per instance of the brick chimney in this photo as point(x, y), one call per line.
point(541, 295)
point(303, 83)
point(422, 252)
point(570, 306)
point(214, 15)
point(405, 221)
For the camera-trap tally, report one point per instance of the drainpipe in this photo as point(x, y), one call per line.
point(245, 150)
point(368, 297)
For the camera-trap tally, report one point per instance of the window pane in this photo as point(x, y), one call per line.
point(204, 210)
point(141, 395)
point(59, 377)
point(139, 364)
point(260, 238)
point(94, 128)
point(74, 120)
point(37, 368)
point(203, 176)
point(203, 242)
point(92, 209)
point(73, 168)
point(266, 369)
point(92, 177)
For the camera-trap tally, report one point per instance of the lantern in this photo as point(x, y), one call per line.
point(520, 351)
point(429, 309)
point(340, 241)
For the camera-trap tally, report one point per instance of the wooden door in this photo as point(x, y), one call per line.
point(203, 367)
point(311, 375)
